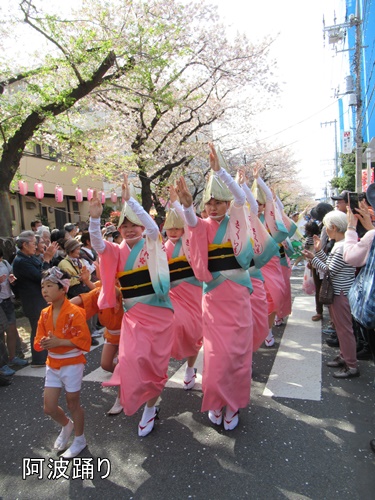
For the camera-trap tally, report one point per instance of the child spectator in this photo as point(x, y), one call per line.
point(63, 332)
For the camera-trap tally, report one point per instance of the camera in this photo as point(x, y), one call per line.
point(354, 199)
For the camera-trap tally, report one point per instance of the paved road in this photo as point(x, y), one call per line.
point(305, 434)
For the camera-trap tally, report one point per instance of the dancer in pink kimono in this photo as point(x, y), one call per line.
point(141, 266)
point(272, 272)
point(185, 293)
point(265, 248)
point(221, 253)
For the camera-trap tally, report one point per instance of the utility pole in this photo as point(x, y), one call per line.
point(336, 34)
point(358, 92)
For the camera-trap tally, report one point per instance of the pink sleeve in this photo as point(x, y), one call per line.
point(356, 252)
point(198, 243)
point(109, 260)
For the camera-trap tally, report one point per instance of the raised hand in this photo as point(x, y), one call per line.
point(125, 188)
point(173, 194)
point(317, 243)
point(242, 179)
point(256, 169)
point(184, 194)
point(364, 216)
point(352, 219)
point(50, 251)
point(214, 160)
point(95, 206)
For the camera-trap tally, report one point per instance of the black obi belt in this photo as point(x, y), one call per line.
point(281, 251)
point(221, 258)
point(179, 269)
point(135, 283)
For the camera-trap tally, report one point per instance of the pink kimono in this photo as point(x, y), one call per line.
point(227, 314)
point(146, 333)
point(186, 297)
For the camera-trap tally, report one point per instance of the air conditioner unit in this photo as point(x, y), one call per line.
point(30, 205)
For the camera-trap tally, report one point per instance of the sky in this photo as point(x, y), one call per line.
point(304, 116)
point(305, 71)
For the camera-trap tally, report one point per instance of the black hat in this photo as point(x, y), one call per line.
point(320, 211)
point(370, 195)
point(70, 226)
point(342, 196)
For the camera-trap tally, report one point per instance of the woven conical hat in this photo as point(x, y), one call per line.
point(215, 188)
point(258, 193)
point(127, 212)
point(173, 219)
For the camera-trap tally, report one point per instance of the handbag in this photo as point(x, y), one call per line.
point(326, 289)
point(361, 295)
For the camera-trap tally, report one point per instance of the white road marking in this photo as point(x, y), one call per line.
point(297, 369)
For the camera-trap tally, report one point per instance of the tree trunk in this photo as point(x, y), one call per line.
point(6, 213)
point(146, 192)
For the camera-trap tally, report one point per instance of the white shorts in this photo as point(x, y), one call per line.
point(69, 376)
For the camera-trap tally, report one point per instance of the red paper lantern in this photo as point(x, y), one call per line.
point(59, 194)
point(39, 190)
point(79, 195)
point(23, 187)
point(113, 197)
point(101, 195)
point(90, 193)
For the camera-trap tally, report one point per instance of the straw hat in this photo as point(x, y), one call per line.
point(127, 212)
point(215, 188)
point(258, 193)
point(173, 220)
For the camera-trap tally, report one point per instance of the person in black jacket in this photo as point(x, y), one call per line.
point(28, 271)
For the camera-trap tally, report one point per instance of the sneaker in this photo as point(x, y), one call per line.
point(97, 333)
point(144, 430)
point(231, 422)
point(94, 341)
point(269, 342)
point(116, 408)
point(189, 382)
point(8, 372)
point(328, 331)
point(216, 416)
point(75, 449)
point(347, 372)
point(64, 436)
point(16, 361)
point(333, 342)
point(336, 362)
point(4, 381)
